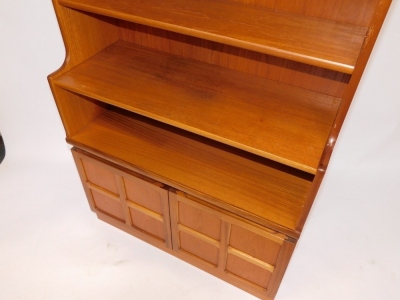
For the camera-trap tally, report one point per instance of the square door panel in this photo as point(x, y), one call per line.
point(248, 271)
point(100, 176)
point(254, 244)
point(241, 252)
point(148, 207)
point(139, 204)
point(145, 194)
point(199, 248)
point(108, 205)
point(148, 224)
point(199, 220)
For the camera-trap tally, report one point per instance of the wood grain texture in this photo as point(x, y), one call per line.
point(82, 176)
point(247, 271)
point(99, 176)
point(76, 111)
point(379, 15)
point(145, 194)
point(198, 247)
point(280, 122)
point(358, 12)
point(122, 198)
point(147, 207)
point(199, 235)
point(102, 191)
point(200, 221)
point(251, 259)
point(106, 187)
point(231, 217)
point(251, 267)
point(286, 71)
point(281, 265)
point(251, 243)
point(84, 35)
point(148, 224)
point(108, 205)
point(145, 211)
point(314, 41)
point(271, 193)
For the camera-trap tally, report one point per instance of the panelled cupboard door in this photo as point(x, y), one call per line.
point(133, 204)
point(245, 254)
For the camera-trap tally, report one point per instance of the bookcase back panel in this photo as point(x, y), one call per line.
point(309, 77)
point(358, 12)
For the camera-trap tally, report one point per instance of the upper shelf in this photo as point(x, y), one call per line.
point(284, 123)
point(309, 40)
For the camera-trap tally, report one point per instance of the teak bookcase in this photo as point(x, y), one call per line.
point(205, 127)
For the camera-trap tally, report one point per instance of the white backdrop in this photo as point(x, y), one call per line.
point(53, 247)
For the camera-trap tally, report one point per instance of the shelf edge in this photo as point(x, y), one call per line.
point(269, 50)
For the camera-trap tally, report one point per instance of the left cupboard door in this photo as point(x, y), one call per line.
point(129, 201)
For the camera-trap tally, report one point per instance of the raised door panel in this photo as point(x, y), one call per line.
point(106, 204)
point(196, 231)
point(136, 205)
point(251, 256)
point(148, 208)
point(245, 254)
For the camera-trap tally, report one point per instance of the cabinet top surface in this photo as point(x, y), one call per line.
point(309, 40)
point(266, 189)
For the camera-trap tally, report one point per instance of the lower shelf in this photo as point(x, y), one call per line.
point(252, 186)
point(250, 256)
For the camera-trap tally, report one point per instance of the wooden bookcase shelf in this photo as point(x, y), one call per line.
point(205, 127)
point(310, 40)
point(199, 165)
point(234, 108)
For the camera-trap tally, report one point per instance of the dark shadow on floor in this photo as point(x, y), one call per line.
point(2, 149)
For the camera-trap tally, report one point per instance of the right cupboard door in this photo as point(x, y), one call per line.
point(240, 252)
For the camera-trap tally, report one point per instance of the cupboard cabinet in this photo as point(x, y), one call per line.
point(205, 127)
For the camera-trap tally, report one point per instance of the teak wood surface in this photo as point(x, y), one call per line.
point(266, 190)
point(208, 126)
point(318, 42)
point(242, 253)
point(280, 122)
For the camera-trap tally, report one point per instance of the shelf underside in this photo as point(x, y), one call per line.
point(287, 124)
point(309, 40)
point(255, 185)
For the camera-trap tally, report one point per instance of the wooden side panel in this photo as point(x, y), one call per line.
point(309, 77)
point(140, 206)
point(237, 251)
point(375, 27)
point(76, 111)
point(84, 35)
